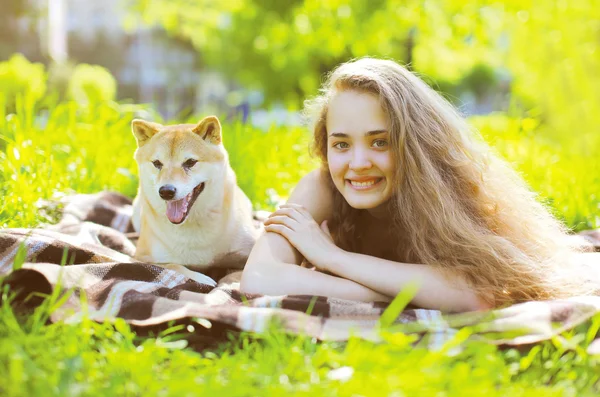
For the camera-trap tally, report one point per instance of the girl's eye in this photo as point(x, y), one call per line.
point(157, 164)
point(189, 163)
point(341, 145)
point(380, 143)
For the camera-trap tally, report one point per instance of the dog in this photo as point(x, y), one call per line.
point(189, 209)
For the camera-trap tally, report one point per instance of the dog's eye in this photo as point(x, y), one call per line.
point(189, 163)
point(157, 164)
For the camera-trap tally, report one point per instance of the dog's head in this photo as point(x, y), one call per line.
point(178, 163)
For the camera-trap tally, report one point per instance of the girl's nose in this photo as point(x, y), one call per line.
point(360, 160)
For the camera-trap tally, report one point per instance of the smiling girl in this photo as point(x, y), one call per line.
point(408, 193)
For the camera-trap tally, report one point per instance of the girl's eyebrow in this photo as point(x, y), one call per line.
point(369, 133)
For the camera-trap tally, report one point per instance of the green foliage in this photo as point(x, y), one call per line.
point(20, 78)
point(268, 164)
point(481, 80)
point(554, 59)
point(564, 170)
point(299, 41)
point(59, 76)
point(92, 84)
point(64, 150)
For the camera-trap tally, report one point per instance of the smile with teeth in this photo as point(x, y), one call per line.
point(364, 185)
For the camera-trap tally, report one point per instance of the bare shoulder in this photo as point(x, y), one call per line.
point(314, 193)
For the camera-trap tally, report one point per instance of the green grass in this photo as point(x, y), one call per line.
point(70, 149)
point(91, 359)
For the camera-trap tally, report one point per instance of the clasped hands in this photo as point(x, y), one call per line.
point(312, 240)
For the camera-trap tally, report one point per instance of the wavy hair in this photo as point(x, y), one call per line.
point(456, 205)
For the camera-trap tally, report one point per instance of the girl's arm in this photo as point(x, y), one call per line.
point(272, 267)
point(280, 278)
point(437, 290)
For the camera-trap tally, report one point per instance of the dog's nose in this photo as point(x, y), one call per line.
point(167, 192)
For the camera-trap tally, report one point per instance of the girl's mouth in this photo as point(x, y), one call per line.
point(366, 184)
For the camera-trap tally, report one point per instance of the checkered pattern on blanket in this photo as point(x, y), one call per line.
point(95, 240)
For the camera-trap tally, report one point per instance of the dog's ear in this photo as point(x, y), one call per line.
point(144, 130)
point(209, 129)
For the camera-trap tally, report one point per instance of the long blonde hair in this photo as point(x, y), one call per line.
point(456, 204)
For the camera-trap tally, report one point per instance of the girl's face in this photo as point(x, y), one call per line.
point(358, 149)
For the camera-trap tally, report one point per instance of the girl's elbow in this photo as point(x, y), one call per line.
point(478, 303)
point(250, 282)
point(256, 279)
point(466, 302)
point(473, 299)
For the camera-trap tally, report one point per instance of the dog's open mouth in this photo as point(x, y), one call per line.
point(178, 210)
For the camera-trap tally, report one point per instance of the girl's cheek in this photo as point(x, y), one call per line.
point(336, 163)
point(386, 161)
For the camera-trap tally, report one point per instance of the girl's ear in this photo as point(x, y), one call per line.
point(209, 129)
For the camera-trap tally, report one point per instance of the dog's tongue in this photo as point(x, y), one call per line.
point(176, 210)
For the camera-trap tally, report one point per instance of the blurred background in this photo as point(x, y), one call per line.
point(203, 56)
point(525, 73)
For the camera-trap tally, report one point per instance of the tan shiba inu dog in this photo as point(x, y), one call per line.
point(189, 209)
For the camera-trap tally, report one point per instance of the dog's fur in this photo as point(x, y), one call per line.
point(218, 229)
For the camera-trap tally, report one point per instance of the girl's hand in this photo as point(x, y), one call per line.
point(295, 223)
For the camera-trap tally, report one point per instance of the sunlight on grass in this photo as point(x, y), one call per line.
point(103, 359)
point(68, 149)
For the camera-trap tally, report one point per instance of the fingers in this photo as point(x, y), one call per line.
point(297, 207)
point(279, 229)
point(288, 212)
point(281, 220)
point(294, 211)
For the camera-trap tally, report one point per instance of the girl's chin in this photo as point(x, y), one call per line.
point(365, 203)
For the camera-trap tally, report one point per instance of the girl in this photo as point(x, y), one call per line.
point(410, 194)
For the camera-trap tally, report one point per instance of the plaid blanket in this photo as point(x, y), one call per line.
point(99, 278)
